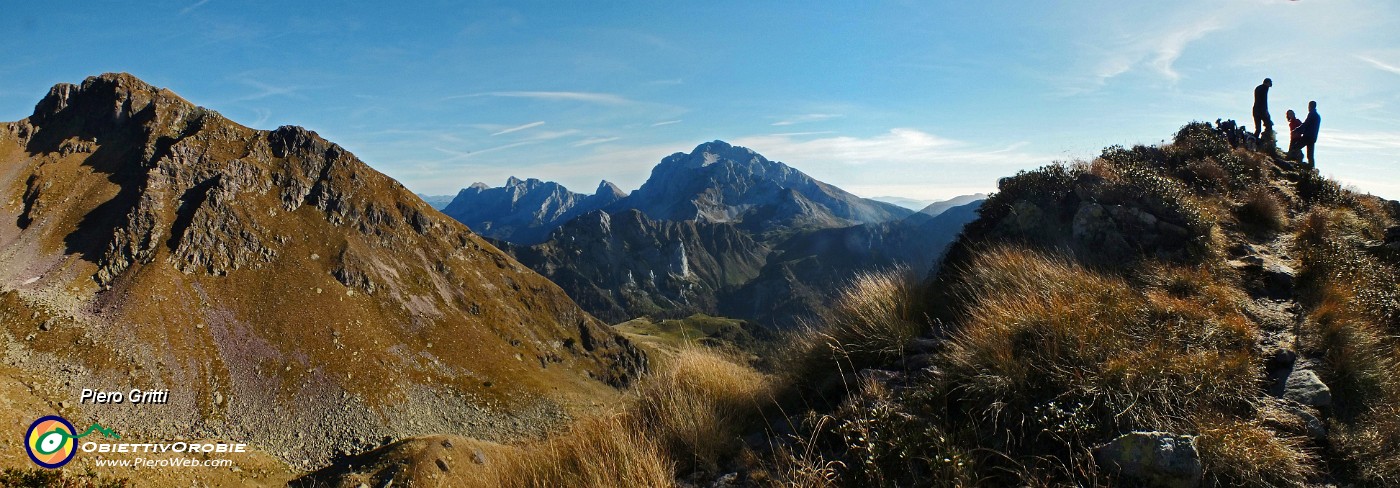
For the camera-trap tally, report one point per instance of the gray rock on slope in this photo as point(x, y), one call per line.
point(1154, 459)
point(1305, 387)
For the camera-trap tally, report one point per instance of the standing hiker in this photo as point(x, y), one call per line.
point(1295, 137)
point(1261, 106)
point(1309, 130)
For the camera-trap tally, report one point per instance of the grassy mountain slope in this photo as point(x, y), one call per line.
point(272, 281)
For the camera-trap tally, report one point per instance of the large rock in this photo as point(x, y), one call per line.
point(1305, 387)
point(1154, 459)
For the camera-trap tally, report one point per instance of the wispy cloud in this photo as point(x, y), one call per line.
point(797, 134)
point(1361, 141)
point(666, 122)
point(517, 128)
point(927, 165)
point(804, 118)
point(571, 96)
point(1380, 65)
point(265, 90)
point(262, 116)
point(1157, 51)
point(191, 8)
point(593, 140)
point(462, 155)
point(1170, 47)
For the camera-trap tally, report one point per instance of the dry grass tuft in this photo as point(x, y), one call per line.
point(686, 418)
point(1246, 454)
point(699, 407)
point(1354, 322)
point(1043, 332)
point(1262, 208)
point(598, 451)
point(875, 316)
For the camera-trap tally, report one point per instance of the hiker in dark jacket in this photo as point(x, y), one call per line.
point(1309, 130)
point(1261, 106)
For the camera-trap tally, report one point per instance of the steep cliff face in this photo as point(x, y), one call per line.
point(525, 211)
point(271, 280)
point(623, 265)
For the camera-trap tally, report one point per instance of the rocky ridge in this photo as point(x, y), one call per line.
point(272, 281)
point(525, 211)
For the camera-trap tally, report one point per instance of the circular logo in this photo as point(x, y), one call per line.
point(50, 442)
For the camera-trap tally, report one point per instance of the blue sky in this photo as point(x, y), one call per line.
point(915, 99)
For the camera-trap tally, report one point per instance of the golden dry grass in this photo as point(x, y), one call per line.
point(1043, 328)
point(698, 408)
point(1262, 208)
point(599, 451)
point(875, 316)
point(685, 418)
point(1353, 301)
point(1247, 454)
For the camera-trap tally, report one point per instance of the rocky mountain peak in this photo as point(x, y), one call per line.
point(720, 182)
point(713, 152)
point(606, 189)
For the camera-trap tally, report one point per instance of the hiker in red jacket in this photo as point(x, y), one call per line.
point(1295, 137)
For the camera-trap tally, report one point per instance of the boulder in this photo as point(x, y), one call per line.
point(1278, 279)
point(1305, 387)
point(1153, 459)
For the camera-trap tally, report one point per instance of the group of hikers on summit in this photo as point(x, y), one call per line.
point(1302, 134)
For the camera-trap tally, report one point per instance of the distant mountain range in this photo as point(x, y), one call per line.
point(525, 211)
point(720, 229)
point(909, 203)
point(437, 201)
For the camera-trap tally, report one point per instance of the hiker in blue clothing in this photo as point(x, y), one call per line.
point(1309, 131)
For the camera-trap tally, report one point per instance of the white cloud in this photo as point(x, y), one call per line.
point(666, 122)
point(804, 118)
point(593, 140)
point(897, 146)
point(1155, 51)
point(1170, 47)
point(903, 162)
point(265, 90)
point(191, 8)
point(517, 128)
point(589, 97)
point(1361, 141)
point(1380, 65)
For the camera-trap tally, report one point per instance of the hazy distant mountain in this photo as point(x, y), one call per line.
point(525, 211)
point(935, 208)
point(272, 281)
point(909, 203)
point(437, 201)
point(718, 182)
